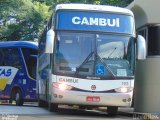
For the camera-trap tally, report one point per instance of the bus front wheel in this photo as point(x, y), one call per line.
point(16, 95)
point(52, 107)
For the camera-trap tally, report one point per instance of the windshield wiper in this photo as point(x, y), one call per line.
point(111, 52)
point(108, 68)
point(85, 61)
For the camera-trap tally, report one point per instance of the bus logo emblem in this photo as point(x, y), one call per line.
point(93, 87)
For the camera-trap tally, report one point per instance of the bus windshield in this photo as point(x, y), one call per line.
point(94, 55)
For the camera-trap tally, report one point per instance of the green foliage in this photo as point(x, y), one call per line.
point(9, 6)
point(121, 3)
point(24, 19)
point(16, 10)
point(39, 18)
point(29, 18)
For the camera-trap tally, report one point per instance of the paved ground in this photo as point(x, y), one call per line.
point(32, 112)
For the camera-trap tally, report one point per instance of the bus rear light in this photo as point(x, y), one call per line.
point(124, 89)
point(62, 86)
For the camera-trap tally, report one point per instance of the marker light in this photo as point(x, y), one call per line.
point(124, 89)
point(62, 86)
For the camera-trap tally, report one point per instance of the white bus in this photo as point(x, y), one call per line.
point(87, 57)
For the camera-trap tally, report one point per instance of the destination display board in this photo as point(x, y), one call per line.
point(94, 21)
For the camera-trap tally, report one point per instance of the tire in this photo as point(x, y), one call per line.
point(12, 98)
point(112, 110)
point(52, 107)
point(42, 103)
point(17, 97)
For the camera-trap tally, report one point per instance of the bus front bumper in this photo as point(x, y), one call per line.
point(91, 98)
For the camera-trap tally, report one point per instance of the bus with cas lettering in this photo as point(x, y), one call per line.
point(18, 61)
point(87, 57)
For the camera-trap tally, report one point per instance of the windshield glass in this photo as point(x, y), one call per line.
point(94, 55)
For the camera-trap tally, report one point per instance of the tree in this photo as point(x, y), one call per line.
point(22, 19)
point(12, 13)
point(121, 3)
point(36, 22)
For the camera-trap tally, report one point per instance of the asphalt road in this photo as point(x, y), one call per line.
point(33, 112)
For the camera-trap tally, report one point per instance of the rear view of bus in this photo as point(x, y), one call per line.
point(91, 55)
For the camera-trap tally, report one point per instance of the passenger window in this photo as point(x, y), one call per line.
point(10, 57)
point(2, 57)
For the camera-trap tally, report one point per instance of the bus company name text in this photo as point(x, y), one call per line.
point(5, 72)
point(69, 80)
point(96, 21)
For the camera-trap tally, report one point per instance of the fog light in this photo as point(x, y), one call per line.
point(129, 99)
point(55, 95)
point(124, 100)
point(60, 96)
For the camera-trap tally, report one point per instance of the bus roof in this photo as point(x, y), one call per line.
point(87, 7)
point(28, 44)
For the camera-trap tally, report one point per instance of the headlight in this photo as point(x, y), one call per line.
point(62, 86)
point(124, 89)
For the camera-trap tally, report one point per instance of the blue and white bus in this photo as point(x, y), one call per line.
point(18, 60)
point(87, 57)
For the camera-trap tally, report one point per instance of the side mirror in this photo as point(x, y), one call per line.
point(49, 41)
point(141, 48)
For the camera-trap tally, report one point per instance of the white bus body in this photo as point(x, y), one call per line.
point(88, 57)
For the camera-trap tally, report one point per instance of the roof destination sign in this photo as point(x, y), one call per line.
point(94, 21)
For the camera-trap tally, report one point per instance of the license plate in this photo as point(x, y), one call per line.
point(92, 98)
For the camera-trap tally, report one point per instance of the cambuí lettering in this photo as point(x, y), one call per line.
point(69, 80)
point(96, 21)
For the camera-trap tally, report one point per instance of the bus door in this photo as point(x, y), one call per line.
point(30, 56)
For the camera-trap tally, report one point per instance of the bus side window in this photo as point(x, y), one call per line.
point(12, 58)
point(2, 57)
point(30, 60)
